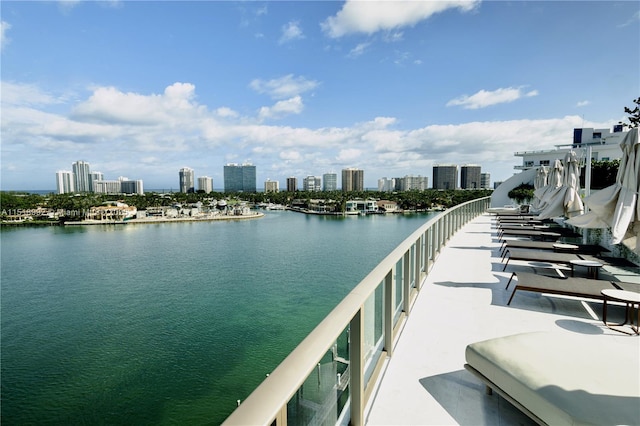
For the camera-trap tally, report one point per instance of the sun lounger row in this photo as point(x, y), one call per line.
point(561, 378)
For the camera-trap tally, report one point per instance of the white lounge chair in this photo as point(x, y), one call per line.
point(563, 378)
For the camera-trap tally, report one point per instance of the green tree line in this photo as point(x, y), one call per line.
point(408, 200)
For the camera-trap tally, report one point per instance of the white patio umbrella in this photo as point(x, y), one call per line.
point(617, 206)
point(565, 199)
point(573, 205)
point(547, 193)
point(539, 186)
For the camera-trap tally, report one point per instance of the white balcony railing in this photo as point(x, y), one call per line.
point(329, 377)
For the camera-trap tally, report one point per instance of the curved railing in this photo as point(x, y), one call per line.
point(329, 377)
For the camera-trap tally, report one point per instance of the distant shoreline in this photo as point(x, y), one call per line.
point(147, 220)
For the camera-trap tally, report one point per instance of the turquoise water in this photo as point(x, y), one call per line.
point(169, 323)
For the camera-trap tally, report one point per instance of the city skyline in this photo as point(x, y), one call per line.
point(187, 179)
point(300, 88)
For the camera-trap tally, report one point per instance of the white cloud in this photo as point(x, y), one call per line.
point(484, 98)
point(349, 155)
point(401, 58)
point(290, 155)
point(394, 37)
point(4, 39)
point(284, 87)
point(583, 103)
point(67, 5)
point(226, 112)
point(291, 31)
point(282, 108)
point(359, 50)
point(170, 130)
point(371, 16)
point(633, 19)
point(24, 94)
point(261, 10)
point(109, 105)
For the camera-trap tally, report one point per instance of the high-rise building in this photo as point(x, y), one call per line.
point(65, 182)
point(385, 185)
point(107, 187)
point(292, 184)
point(311, 183)
point(131, 186)
point(82, 179)
point(121, 186)
point(470, 176)
point(94, 177)
point(187, 180)
point(393, 184)
point(205, 183)
point(445, 176)
point(239, 177)
point(409, 183)
point(329, 182)
point(485, 180)
point(271, 186)
point(81, 171)
point(352, 179)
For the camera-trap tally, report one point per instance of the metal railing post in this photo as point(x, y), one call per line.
point(417, 264)
point(406, 281)
point(389, 310)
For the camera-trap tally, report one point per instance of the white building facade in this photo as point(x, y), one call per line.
point(485, 180)
point(65, 182)
point(187, 183)
point(386, 185)
point(312, 183)
point(120, 186)
point(410, 183)
point(205, 183)
point(604, 145)
point(329, 182)
point(271, 186)
point(81, 171)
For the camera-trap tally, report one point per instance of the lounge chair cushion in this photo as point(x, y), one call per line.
point(564, 378)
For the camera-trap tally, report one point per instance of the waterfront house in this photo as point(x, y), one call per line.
point(361, 207)
point(388, 206)
point(112, 212)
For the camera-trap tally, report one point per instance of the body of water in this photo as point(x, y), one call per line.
point(169, 323)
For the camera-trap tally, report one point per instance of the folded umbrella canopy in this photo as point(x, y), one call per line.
point(565, 199)
point(546, 193)
point(616, 207)
point(539, 186)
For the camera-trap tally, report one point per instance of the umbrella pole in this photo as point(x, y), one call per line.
point(587, 190)
point(587, 174)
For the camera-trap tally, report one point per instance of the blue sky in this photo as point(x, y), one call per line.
point(142, 89)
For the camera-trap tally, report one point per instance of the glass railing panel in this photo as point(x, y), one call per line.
point(399, 291)
point(324, 394)
point(373, 330)
point(423, 250)
point(412, 263)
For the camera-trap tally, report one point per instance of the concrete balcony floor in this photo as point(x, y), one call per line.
point(463, 300)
